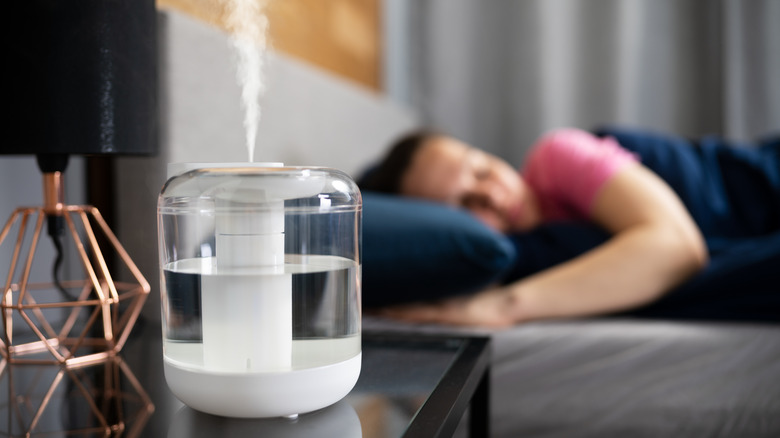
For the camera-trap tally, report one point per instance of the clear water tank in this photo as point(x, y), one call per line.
point(260, 272)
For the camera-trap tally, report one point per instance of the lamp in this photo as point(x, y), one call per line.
point(84, 83)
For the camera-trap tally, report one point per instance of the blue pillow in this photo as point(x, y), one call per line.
point(416, 250)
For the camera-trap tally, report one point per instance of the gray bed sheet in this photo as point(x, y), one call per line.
point(628, 378)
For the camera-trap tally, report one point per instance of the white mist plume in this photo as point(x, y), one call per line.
point(248, 24)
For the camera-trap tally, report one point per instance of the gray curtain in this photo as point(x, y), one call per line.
point(498, 73)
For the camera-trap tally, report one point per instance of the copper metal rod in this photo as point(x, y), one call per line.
point(130, 315)
point(46, 400)
point(8, 224)
point(84, 257)
point(107, 333)
point(126, 315)
point(112, 382)
point(53, 193)
point(148, 406)
point(8, 315)
point(41, 336)
point(7, 300)
point(55, 305)
point(80, 362)
point(82, 301)
point(23, 362)
point(30, 255)
point(33, 347)
point(89, 399)
point(72, 363)
point(17, 250)
point(83, 334)
point(7, 291)
point(16, 409)
point(8, 326)
point(38, 314)
point(133, 313)
point(98, 254)
point(64, 283)
point(120, 249)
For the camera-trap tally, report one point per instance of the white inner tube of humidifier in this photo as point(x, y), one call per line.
point(246, 331)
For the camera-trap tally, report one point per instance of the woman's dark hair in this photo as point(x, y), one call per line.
point(386, 176)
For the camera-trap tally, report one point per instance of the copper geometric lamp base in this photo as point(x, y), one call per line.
point(77, 321)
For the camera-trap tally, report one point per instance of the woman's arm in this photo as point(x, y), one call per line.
point(655, 246)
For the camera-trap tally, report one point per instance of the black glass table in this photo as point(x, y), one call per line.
point(419, 386)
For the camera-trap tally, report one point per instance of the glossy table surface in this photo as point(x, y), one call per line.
point(407, 387)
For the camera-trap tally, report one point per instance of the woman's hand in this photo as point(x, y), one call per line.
point(497, 308)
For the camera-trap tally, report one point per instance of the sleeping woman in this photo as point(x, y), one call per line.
point(570, 174)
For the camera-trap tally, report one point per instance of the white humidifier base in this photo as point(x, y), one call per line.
point(263, 395)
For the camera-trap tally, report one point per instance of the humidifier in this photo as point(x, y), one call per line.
point(260, 273)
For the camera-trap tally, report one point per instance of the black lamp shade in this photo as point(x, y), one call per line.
point(83, 77)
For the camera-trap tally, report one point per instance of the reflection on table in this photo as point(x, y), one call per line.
point(338, 420)
point(100, 399)
point(394, 392)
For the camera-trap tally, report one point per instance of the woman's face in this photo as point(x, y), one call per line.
point(449, 171)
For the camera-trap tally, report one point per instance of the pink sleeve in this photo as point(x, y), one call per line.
point(567, 168)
